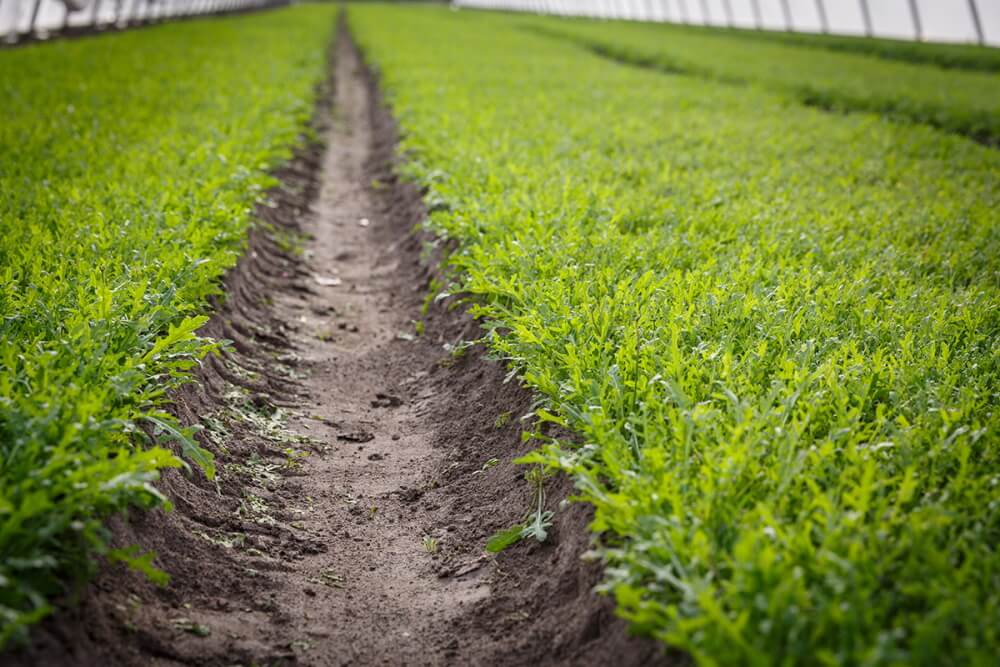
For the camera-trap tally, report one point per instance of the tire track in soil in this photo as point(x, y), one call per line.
point(333, 569)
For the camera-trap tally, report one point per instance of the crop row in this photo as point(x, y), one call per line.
point(949, 56)
point(774, 329)
point(958, 101)
point(131, 164)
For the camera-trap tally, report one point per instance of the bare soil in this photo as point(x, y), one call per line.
point(354, 500)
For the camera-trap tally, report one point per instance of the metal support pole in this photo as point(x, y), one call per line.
point(786, 11)
point(684, 10)
point(866, 15)
point(824, 24)
point(728, 8)
point(915, 15)
point(758, 19)
point(34, 16)
point(705, 19)
point(94, 12)
point(976, 23)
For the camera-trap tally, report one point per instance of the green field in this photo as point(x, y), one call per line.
point(775, 329)
point(965, 102)
point(949, 56)
point(123, 199)
point(752, 280)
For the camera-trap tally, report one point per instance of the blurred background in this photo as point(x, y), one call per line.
point(929, 20)
point(23, 19)
point(974, 21)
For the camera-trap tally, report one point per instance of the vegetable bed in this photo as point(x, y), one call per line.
point(951, 56)
point(131, 164)
point(775, 330)
point(964, 102)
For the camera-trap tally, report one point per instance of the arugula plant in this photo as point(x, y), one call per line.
point(131, 164)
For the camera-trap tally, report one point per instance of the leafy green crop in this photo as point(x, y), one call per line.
point(776, 331)
point(950, 56)
point(964, 102)
point(130, 167)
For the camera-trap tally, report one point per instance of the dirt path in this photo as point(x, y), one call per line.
point(374, 593)
point(366, 465)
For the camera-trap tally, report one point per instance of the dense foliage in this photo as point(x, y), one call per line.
point(946, 55)
point(964, 102)
point(130, 167)
point(775, 329)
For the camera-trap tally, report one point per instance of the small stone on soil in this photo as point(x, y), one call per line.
point(383, 400)
point(356, 436)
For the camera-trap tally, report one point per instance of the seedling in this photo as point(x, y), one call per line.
point(191, 627)
point(294, 458)
point(486, 466)
point(536, 522)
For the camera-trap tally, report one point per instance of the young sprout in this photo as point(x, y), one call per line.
point(486, 466)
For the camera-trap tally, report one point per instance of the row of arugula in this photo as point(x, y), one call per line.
point(940, 54)
point(966, 102)
point(775, 329)
point(131, 164)
point(947, 55)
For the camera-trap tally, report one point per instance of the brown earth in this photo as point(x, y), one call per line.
point(356, 489)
